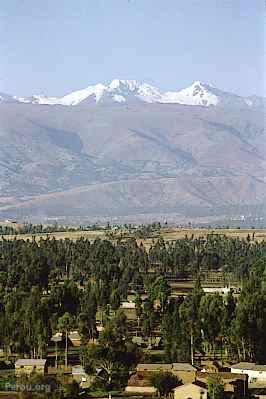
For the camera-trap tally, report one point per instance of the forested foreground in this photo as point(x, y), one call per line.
point(61, 285)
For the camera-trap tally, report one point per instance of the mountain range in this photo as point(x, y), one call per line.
point(125, 91)
point(130, 149)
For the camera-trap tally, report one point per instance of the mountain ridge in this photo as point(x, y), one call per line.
point(125, 91)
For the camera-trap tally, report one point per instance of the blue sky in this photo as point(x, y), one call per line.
point(56, 46)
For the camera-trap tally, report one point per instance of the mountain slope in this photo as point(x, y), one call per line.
point(134, 158)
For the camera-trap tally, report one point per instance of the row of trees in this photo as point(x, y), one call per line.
point(216, 325)
point(29, 228)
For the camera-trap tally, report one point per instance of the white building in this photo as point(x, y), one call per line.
point(255, 372)
point(128, 305)
point(80, 376)
point(30, 366)
point(221, 290)
point(78, 372)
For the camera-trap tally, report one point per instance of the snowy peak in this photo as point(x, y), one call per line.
point(118, 91)
point(77, 97)
point(197, 94)
point(73, 98)
point(37, 99)
point(128, 85)
point(206, 95)
point(140, 90)
point(124, 91)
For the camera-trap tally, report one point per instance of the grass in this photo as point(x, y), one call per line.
point(173, 234)
point(103, 394)
point(169, 234)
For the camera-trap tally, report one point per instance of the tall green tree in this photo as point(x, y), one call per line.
point(165, 382)
point(190, 318)
point(65, 324)
point(215, 387)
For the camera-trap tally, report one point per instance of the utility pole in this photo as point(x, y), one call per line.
point(57, 338)
point(56, 355)
point(192, 346)
point(66, 349)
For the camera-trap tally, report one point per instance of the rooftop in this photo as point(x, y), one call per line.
point(74, 336)
point(154, 367)
point(78, 370)
point(249, 366)
point(223, 374)
point(183, 367)
point(57, 337)
point(30, 362)
point(198, 384)
point(128, 305)
point(165, 367)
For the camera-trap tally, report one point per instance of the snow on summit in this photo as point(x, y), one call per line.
point(123, 91)
point(78, 96)
point(196, 94)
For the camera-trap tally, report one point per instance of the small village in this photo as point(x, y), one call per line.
point(114, 317)
point(236, 379)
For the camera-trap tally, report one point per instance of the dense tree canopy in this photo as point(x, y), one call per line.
point(43, 283)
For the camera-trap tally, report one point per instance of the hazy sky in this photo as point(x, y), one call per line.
point(56, 46)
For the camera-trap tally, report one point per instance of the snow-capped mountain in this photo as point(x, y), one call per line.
point(119, 91)
point(206, 95)
point(124, 91)
point(137, 152)
point(196, 94)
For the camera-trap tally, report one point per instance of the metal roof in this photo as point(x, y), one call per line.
point(30, 362)
point(249, 366)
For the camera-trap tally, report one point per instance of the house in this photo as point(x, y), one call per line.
point(140, 383)
point(81, 377)
point(75, 338)
point(78, 373)
point(185, 371)
point(154, 367)
point(236, 384)
point(57, 337)
point(30, 366)
point(128, 305)
point(129, 309)
point(254, 371)
point(221, 290)
point(194, 390)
